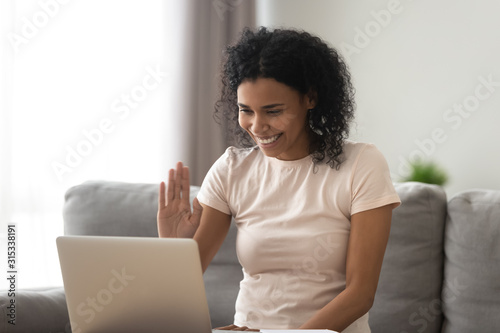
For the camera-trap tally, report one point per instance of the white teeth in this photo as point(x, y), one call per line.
point(270, 140)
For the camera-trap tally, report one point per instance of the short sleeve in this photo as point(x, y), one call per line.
point(213, 191)
point(371, 185)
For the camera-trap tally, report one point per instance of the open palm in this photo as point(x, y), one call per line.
point(175, 218)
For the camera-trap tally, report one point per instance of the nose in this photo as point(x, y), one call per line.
point(259, 124)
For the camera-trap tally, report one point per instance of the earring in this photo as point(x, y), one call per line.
point(311, 123)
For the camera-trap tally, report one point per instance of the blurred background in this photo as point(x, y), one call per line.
point(122, 90)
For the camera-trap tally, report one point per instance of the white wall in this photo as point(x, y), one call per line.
point(81, 105)
point(414, 63)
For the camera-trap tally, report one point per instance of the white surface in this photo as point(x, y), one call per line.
point(293, 331)
point(428, 57)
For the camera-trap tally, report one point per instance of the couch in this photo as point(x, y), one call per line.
point(441, 271)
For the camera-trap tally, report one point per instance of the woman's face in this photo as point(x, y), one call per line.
point(275, 116)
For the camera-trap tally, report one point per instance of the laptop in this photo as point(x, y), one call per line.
point(133, 284)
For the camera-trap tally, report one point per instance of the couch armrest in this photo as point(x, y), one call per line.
point(36, 311)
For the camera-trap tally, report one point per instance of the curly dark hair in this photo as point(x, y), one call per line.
point(301, 61)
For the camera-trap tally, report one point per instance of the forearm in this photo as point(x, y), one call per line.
point(211, 233)
point(342, 311)
point(367, 241)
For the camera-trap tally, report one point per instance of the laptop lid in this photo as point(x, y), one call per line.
point(133, 284)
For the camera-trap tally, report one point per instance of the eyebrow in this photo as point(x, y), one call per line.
point(270, 106)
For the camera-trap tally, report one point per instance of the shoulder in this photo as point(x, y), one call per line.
point(353, 149)
point(235, 153)
point(370, 178)
point(362, 159)
point(239, 157)
point(354, 152)
point(236, 158)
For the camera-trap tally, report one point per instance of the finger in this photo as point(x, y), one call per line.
point(178, 184)
point(185, 183)
point(171, 184)
point(161, 195)
point(228, 327)
point(242, 328)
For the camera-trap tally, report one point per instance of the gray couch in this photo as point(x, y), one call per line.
point(441, 271)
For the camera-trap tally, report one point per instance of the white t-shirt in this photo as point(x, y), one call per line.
point(293, 222)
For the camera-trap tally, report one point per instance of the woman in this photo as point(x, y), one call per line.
point(313, 209)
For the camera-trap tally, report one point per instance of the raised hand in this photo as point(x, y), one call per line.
point(175, 218)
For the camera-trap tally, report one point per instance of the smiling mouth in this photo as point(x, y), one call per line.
point(267, 141)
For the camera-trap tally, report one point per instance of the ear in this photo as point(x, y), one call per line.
point(312, 99)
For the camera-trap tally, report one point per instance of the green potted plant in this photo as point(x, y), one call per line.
point(426, 172)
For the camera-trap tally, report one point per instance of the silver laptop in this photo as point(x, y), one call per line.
point(133, 284)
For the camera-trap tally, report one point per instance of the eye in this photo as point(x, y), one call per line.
point(245, 111)
point(273, 112)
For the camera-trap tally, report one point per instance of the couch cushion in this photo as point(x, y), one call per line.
point(107, 208)
point(471, 291)
point(222, 283)
point(409, 289)
point(37, 311)
point(112, 209)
